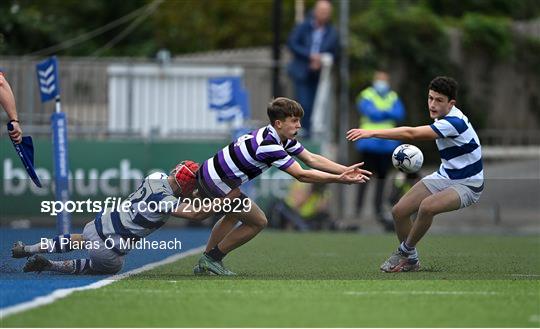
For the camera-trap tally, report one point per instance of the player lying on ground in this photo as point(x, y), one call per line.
point(457, 184)
point(248, 157)
point(162, 189)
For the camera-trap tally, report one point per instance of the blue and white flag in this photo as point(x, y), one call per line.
point(47, 75)
point(49, 89)
point(223, 92)
point(228, 98)
point(25, 151)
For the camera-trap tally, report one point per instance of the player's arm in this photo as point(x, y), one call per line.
point(7, 100)
point(186, 210)
point(316, 176)
point(401, 133)
point(317, 161)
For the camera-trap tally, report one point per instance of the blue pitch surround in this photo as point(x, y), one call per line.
point(17, 287)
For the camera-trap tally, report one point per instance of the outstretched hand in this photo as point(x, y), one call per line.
point(356, 134)
point(355, 175)
point(357, 166)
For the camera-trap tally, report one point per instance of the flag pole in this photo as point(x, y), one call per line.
point(49, 83)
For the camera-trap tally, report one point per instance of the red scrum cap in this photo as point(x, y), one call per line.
point(184, 175)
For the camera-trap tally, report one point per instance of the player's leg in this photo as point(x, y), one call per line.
point(220, 230)
point(401, 212)
point(60, 244)
point(253, 221)
point(405, 258)
point(438, 203)
point(38, 263)
point(101, 260)
point(406, 206)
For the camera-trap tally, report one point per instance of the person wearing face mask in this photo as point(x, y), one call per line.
point(379, 108)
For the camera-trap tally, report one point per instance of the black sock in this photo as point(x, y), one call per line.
point(216, 254)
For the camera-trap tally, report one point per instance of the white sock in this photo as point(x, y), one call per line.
point(72, 266)
point(34, 248)
point(411, 252)
point(62, 266)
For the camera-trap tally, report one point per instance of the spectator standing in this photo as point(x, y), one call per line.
point(380, 108)
point(308, 40)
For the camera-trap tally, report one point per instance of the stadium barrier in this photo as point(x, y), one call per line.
point(110, 168)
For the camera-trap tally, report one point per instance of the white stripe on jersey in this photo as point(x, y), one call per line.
point(292, 149)
point(247, 167)
point(274, 148)
point(155, 188)
point(237, 172)
point(460, 148)
point(216, 179)
point(259, 136)
point(247, 156)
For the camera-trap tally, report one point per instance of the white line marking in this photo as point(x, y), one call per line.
point(525, 275)
point(180, 291)
point(61, 293)
point(431, 292)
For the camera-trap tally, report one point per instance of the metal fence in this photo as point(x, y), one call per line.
point(86, 94)
point(83, 85)
point(86, 91)
point(164, 100)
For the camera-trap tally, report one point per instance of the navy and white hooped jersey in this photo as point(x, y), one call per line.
point(151, 205)
point(246, 158)
point(459, 148)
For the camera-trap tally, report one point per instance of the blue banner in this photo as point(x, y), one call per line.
point(25, 151)
point(228, 98)
point(61, 168)
point(224, 92)
point(47, 75)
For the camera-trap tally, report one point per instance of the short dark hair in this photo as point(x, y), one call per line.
point(281, 108)
point(446, 86)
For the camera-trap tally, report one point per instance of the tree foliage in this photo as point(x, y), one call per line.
point(390, 33)
point(27, 26)
point(491, 34)
point(181, 26)
point(514, 9)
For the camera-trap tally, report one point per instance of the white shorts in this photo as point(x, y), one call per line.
point(102, 260)
point(467, 194)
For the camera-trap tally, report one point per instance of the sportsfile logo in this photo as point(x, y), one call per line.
point(109, 205)
point(112, 204)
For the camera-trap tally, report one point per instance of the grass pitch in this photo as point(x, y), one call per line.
point(322, 280)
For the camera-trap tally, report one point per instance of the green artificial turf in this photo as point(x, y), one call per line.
point(322, 280)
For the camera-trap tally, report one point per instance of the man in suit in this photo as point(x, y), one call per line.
point(307, 42)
